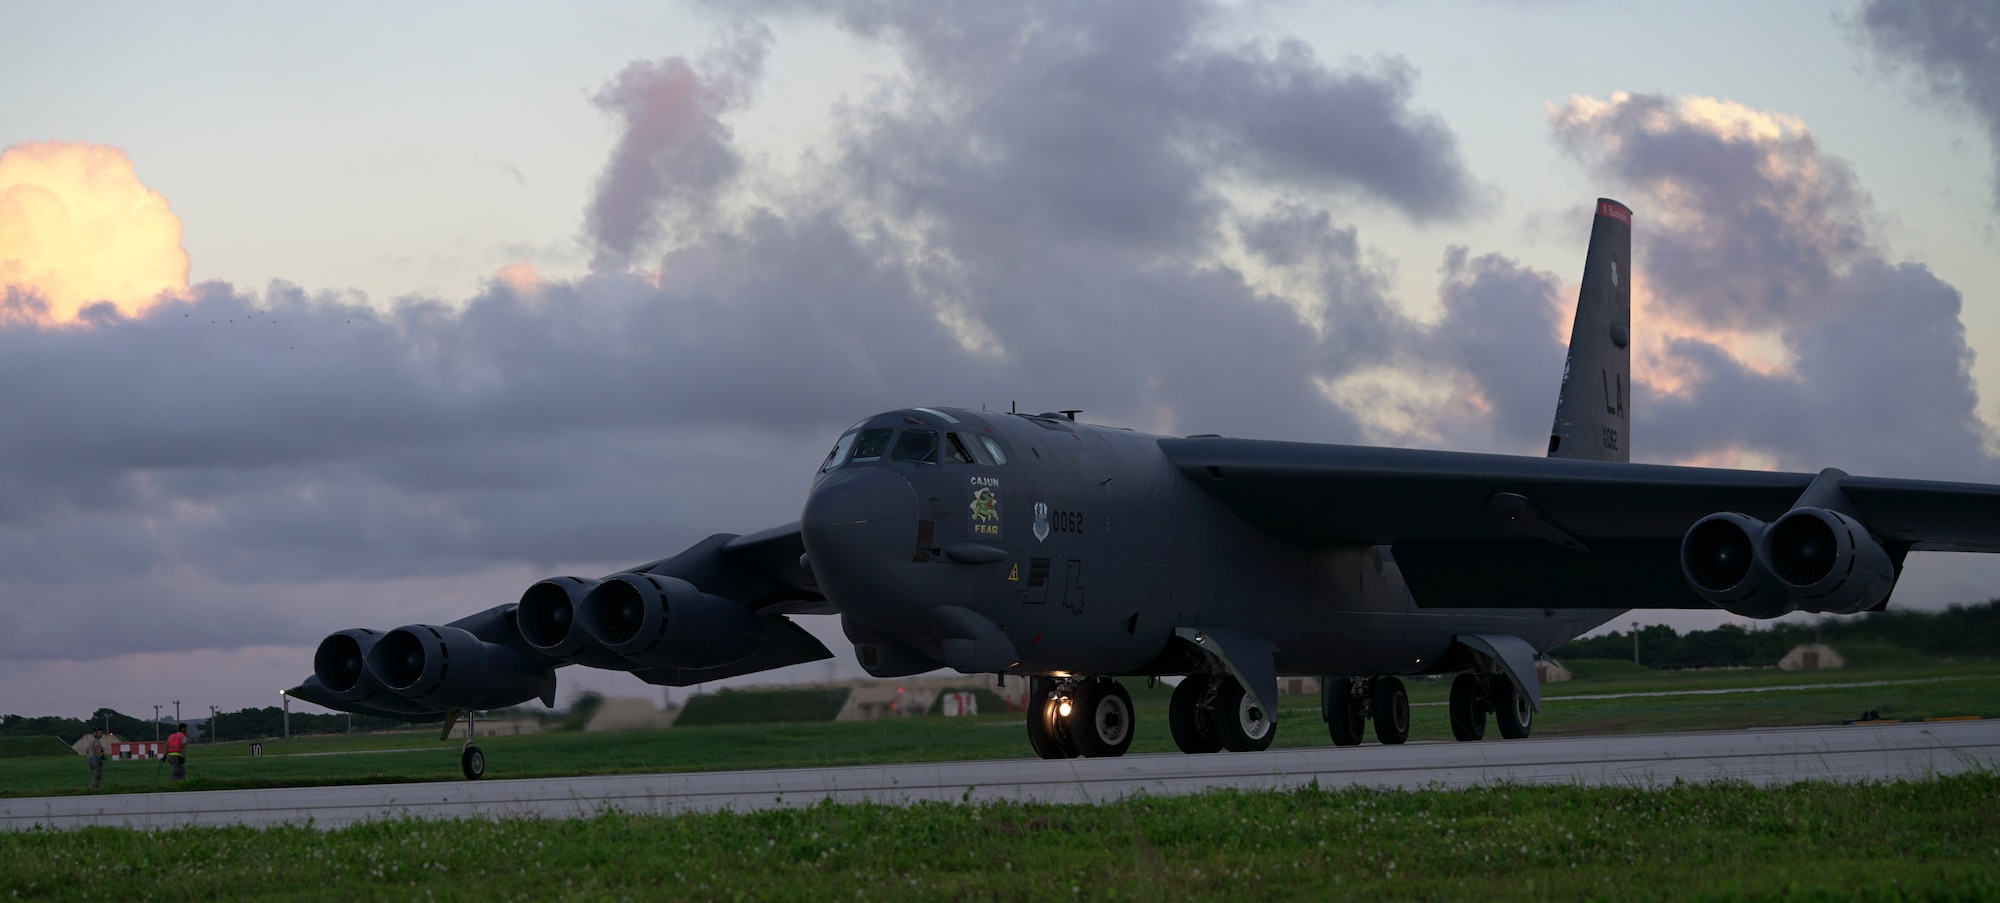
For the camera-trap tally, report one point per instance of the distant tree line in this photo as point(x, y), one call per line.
point(242, 724)
point(1961, 631)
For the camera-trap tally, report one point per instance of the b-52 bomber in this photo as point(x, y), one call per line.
point(1069, 555)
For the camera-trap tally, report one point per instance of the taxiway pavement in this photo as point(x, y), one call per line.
point(1780, 756)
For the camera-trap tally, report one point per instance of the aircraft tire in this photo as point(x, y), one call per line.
point(1244, 724)
point(473, 763)
point(1391, 705)
point(1192, 725)
point(1512, 709)
point(1101, 720)
point(1346, 714)
point(1468, 712)
point(1047, 735)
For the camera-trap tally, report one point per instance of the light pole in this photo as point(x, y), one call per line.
point(156, 724)
point(214, 725)
point(1635, 642)
point(287, 697)
point(177, 711)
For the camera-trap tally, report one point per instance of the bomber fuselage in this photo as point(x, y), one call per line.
point(1086, 548)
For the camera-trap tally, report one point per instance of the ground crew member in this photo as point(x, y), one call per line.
point(93, 752)
point(177, 752)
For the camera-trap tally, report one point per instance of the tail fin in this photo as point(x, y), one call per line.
point(1593, 412)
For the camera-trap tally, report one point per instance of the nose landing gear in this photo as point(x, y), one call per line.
point(1068, 717)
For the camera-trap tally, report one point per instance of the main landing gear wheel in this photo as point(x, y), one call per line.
point(1346, 711)
point(1243, 722)
point(1100, 719)
point(1392, 710)
point(1512, 709)
point(473, 762)
point(1048, 730)
point(1191, 716)
point(1468, 707)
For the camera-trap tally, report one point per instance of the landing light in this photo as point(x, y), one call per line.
point(1062, 708)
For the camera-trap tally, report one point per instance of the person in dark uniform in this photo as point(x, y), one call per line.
point(177, 752)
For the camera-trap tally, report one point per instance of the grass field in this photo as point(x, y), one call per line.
point(1923, 690)
point(1930, 840)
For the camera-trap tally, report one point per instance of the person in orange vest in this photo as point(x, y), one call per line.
point(93, 752)
point(177, 752)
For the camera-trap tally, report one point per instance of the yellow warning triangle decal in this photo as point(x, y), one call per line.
point(1014, 574)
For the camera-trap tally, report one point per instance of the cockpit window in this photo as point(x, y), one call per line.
point(869, 444)
point(839, 453)
point(917, 447)
point(993, 448)
point(955, 451)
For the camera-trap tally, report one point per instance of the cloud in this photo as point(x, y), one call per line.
point(78, 228)
point(675, 155)
point(1026, 218)
point(1771, 325)
point(1954, 48)
point(1118, 123)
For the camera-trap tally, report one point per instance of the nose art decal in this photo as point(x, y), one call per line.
point(1041, 521)
point(985, 506)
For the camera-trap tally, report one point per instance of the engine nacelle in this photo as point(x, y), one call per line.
point(547, 621)
point(340, 663)
point(1826, 561)
point(667, 622)
point(1811, 559)
point(1719, 559)
point(450, 668)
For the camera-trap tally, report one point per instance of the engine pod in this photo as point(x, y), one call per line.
point(547, 621)
point(1720, 560)
point(1826, 561)
point(450, 668)
point(667, 622)
point(341, 666)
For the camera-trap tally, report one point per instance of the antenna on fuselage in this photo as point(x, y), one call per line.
point(1013, 407)
point(1071, 414)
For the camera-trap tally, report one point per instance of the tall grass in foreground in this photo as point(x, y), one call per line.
point(1930, 840)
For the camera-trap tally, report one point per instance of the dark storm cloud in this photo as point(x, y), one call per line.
point(1036, 214)
point(1117, 122)
point(1744, 226)
point(1499, 329)
point(675, 154)
point(1954, 46)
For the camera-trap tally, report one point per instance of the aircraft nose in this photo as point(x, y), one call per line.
point(856, 524)
point(849, 502)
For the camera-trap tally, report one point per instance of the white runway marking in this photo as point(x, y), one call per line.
point(1858, 753)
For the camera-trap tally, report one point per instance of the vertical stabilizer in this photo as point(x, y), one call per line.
point(1593, 413)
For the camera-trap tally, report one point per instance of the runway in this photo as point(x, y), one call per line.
point(1857, 753)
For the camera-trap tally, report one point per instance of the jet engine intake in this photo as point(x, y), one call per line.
point(340, 663)
point(450, 668)
point(1811, 559)
point(547, 619)
point(667, 622)
point(1826, 561)
point(1719, 558)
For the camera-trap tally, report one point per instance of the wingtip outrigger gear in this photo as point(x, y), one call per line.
point(471, 759)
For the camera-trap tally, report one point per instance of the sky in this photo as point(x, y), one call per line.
point(315, 320)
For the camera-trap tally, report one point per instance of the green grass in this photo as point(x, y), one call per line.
point(1947, 689)
point(34, 748)
point(1929, 840)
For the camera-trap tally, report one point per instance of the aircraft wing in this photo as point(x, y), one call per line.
point(1473, 530)
point(715, 610)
